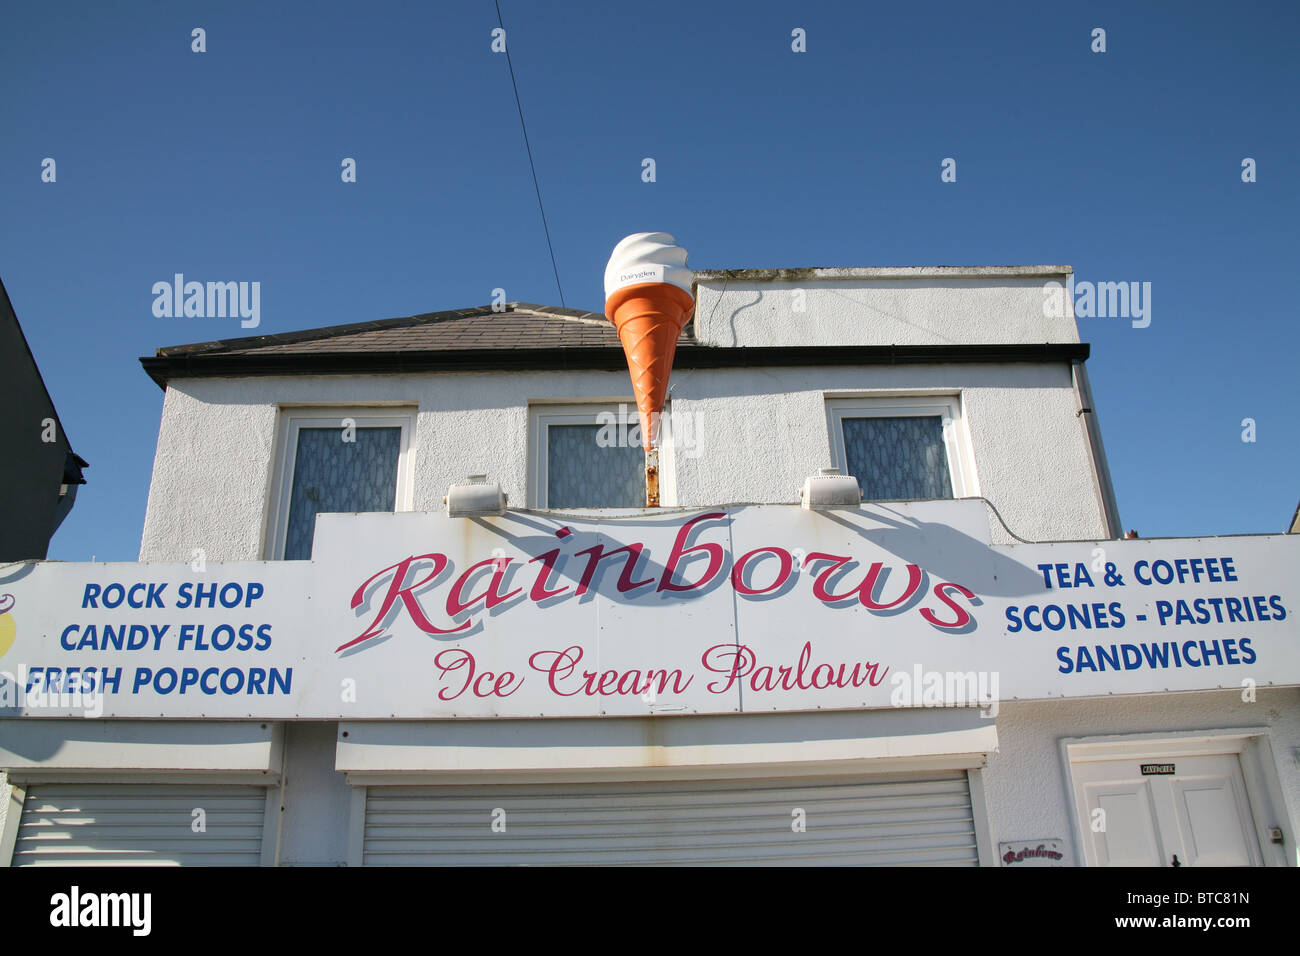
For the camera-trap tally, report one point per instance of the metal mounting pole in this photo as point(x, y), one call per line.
point(652, 476)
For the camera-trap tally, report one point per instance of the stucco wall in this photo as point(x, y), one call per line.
point(934, 306)
point(1026, 783)
point(760, 433)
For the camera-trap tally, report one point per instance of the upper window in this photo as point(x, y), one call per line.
point(336, 460)
point(901, 448)
point(590, 456)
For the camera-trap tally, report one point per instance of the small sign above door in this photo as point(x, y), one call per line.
point(1149, 769)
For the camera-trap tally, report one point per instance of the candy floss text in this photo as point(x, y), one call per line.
point(423, 586)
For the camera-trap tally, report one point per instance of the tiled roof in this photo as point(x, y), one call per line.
point(522, 325)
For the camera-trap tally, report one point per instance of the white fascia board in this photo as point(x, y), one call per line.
point(138, 745)
point(957, 737)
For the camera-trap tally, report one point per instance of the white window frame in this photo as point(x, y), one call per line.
point(542, 416)
point(961, 469)
point(293, 420)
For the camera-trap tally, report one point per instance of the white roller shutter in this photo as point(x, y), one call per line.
point(140, 825)
point(890, 820)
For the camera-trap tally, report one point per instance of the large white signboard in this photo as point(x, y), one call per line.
point(760, 608)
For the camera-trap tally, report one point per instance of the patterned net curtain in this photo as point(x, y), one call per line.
point(583, 473)
point(333, 475)
point(895, 458)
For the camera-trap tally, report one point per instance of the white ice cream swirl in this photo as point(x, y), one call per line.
point(647, 257)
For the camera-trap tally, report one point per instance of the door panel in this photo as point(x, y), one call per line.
point(1129, 834)
point(1213, 814)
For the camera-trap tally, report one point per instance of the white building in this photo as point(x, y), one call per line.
point(927, 383)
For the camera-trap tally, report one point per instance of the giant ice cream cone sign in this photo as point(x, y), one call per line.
point(648, 298)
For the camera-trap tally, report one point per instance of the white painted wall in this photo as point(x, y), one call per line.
point(761, 431)
point(914, 306)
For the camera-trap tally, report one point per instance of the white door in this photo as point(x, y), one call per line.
point(892, 820)
point(1198, 814)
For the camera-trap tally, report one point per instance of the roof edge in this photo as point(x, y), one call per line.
point(555, 310)
point(334, 331)
point(60, 431)
point(323, 332)
point(599, 358)
point(882, 272)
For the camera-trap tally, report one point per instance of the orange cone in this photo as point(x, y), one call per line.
point(649, 316)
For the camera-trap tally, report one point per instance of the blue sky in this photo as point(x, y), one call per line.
point(225, 166)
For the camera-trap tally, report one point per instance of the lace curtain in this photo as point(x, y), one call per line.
point(895, 458)
point(333, 475)
point(580, 473)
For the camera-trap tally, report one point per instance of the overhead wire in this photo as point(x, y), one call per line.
point(528, 147)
